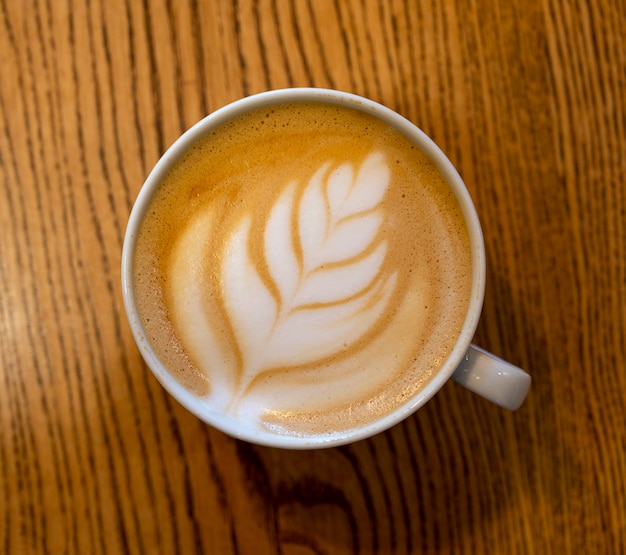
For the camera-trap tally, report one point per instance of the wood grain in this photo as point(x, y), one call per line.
point(528, 100)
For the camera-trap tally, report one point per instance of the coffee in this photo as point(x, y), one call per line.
point(304, 268)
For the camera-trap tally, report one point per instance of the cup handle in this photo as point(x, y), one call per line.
point(493, 378)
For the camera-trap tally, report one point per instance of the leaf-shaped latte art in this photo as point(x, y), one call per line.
point(323, 252)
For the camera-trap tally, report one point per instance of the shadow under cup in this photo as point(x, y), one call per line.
point(468, 368)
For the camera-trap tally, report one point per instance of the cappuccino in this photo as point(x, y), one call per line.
point(303, 268)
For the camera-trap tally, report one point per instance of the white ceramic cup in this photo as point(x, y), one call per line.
point(479, 371)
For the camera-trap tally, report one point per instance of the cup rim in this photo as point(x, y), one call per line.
point(200, 408)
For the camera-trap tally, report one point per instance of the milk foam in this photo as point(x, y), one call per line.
point(324, 288)
point(314, 290)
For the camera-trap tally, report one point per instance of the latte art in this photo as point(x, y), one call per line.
point(315, 287)
point(300, 285)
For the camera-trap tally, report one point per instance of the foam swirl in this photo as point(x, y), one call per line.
point(311, 287)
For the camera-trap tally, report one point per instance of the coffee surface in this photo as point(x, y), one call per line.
point(303, 268)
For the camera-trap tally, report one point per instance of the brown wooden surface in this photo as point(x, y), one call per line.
point(529, 101)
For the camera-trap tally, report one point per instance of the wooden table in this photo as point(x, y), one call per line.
point(529, 101)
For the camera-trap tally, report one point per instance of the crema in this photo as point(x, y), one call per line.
point(303, 268)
